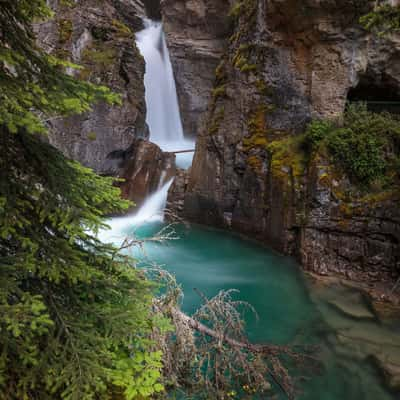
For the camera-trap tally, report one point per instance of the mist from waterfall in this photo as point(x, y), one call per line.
point(163, 115)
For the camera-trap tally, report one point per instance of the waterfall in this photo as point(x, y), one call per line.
point(164, 121)
point(163, 115)
point(153, 208)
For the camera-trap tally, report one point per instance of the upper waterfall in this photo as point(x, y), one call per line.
point(163, 116)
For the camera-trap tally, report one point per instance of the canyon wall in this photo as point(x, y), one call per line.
point(287, 62)
point(99, 36)
point(196, 32)
point(112, 140)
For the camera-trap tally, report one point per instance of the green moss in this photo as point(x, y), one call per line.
point(258, 128)
point(216, 120)
point(383, 20)
point(246, 68)
point(65, 30)
point(98, 59)
point(220, 72)
point(121, 29)
point(219, 91)
point(62, 54)
point(236, 10)
point(67, 3)
point(288, 156)
point(239, 60)
point(262, 87)
point(255, 163)
point(92, 136)
point(381, 196)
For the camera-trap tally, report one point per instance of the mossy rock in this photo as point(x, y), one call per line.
point(288, 156)
point(65, 30)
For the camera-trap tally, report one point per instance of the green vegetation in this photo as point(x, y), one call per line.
point(288, 155)
point(216, 120)
point(219, 91)
point(75, 316)
point(365, 145)
point(383, 20)
point(121, 29)
point(92, 136)
point(65, 30)
point(101, 56)
point(257, 127)
point(30, 79)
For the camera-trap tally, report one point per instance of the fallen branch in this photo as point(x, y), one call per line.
point(253, 348)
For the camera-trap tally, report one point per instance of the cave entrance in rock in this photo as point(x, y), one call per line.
point(382, 97)
point(153, 9)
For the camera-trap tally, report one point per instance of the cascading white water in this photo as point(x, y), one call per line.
point(151, 211)
point(163, 116)
point(154, 207)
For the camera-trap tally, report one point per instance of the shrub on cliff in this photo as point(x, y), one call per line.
point(365, 145)
point(384, 19)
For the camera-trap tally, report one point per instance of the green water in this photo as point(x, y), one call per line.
point(292, 310)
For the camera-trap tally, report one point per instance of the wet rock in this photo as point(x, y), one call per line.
point(144, 168)
point(176, 193)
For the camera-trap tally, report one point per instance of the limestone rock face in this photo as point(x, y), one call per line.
point(99, 36)
point(286, 62)
point(196, 31)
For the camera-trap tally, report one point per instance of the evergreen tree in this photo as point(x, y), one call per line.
point(75, 316)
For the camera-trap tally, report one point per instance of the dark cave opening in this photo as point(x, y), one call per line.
point(153, 9)
point(379, 97)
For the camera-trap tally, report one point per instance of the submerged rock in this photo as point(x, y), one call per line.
point(391, 372)
point(355, 308)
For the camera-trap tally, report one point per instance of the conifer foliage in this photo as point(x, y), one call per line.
point(32, 80)
point(75, 317)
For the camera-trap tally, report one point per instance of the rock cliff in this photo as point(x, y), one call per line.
point(99, 36)
point(195, 32)
point(285, 63)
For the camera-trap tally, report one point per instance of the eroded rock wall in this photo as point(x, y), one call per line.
point(289, 61)
point(99, 36)
point(196, 32)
